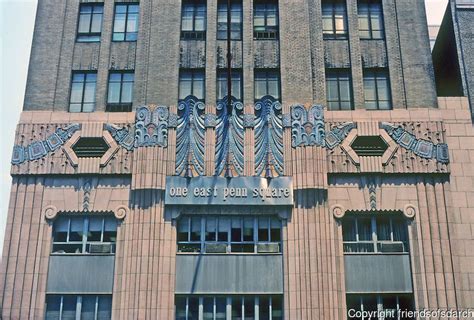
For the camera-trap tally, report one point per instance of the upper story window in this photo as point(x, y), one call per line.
point(120, 94)
point(267, 83)
point(72, 306)
point(265, 19)
point(334, 19)
point(193, 20)
point(269, 307)
point(236, 79)
point(235, 20)
point(377, 89)
point(126, 22)
point(375, 233)
point(84, 234)
point(192, 83)
point(83, 92)
point(90, 22)
point(389, 306)
point(212, 234)
point(371, 25)
point(339, 89)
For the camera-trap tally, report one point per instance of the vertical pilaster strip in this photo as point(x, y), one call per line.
point(211, 53)
point(317, 52)
point(210, 144)
point(249, 144)
point(355, 54)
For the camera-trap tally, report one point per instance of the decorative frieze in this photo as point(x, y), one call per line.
point(336, 135)
point(307, 126)
point(190, 137)
point(39, 149)
point(229, 159)
point(268, 137)
point(422, 148)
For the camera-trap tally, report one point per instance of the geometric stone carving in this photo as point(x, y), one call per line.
point(39, 149)
point(50, 212)
point(338, 211)
point(307, 126)
point(121, 212)
point(410, 211)
point(150, 129)
point(422, 148)
point(338, 134)
point(268, 137)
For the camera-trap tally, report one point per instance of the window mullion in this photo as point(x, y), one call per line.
point(126, 24)
point(376, 85)
point(85, 227)
point(374, 232)
point(83, 91)
point(90, 20)
point(78, 307)
point(96, 308)
point(61, 308)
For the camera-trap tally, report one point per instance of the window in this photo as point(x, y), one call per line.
point(193, 20)
point(265, 19)
point(120, 94)
point(90, 147)
point(90, 22)
point(375, 234)
point(235, 20)
point(78, 307)
point(227, 307)
point(267, 83)
point(191, 83)
point(83, 92)
point(339, 89)
point(334, 19)
point(126, 22)
point(213, 234)
point(390, 306)
point(371, 19)
point(84, 234)
point(377, 89)
point(236, 78)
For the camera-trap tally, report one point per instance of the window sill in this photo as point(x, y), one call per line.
point(81, 254)
point(228, 254)
point(376, 253)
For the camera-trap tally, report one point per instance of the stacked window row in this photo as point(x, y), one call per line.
point(220, 234)
point(266, 82)
point(379, 306)
point(264, 307)
point(265, 20)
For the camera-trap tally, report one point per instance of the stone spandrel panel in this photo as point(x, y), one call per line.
point(44, 148)
point(418, 147)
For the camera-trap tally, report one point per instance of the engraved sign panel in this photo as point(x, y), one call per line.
point(243, 191)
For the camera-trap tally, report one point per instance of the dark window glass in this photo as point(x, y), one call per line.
point(391, 304)
point(264, 308)
point(267, 83)
point(377, 89)
point(126, 22)
point(265, 19)
point(88, 307)
point(371, 25)
point(237, 308)
point(339, 89)
point(221, 305)
point(91, 234)
point(235, 20)
point(120, 93)
point(277, 308)
point(208, 308)
point(334, 19)
point(180, 306)
point(263, 224)
point(193, 308)
point(53, 307)
point(236, 78)
point(192, 83)
point(69, 307)
point(193, 20)
point(90, 22)
point(83, 87)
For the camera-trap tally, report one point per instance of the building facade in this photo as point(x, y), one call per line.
point(452, 58)
point(333, 181)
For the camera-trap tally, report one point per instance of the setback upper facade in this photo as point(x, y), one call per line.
point(333, 181)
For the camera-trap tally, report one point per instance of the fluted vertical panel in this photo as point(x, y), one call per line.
point(144, 268)
point(26, 252)
point(210, 147)
point(249, 145)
